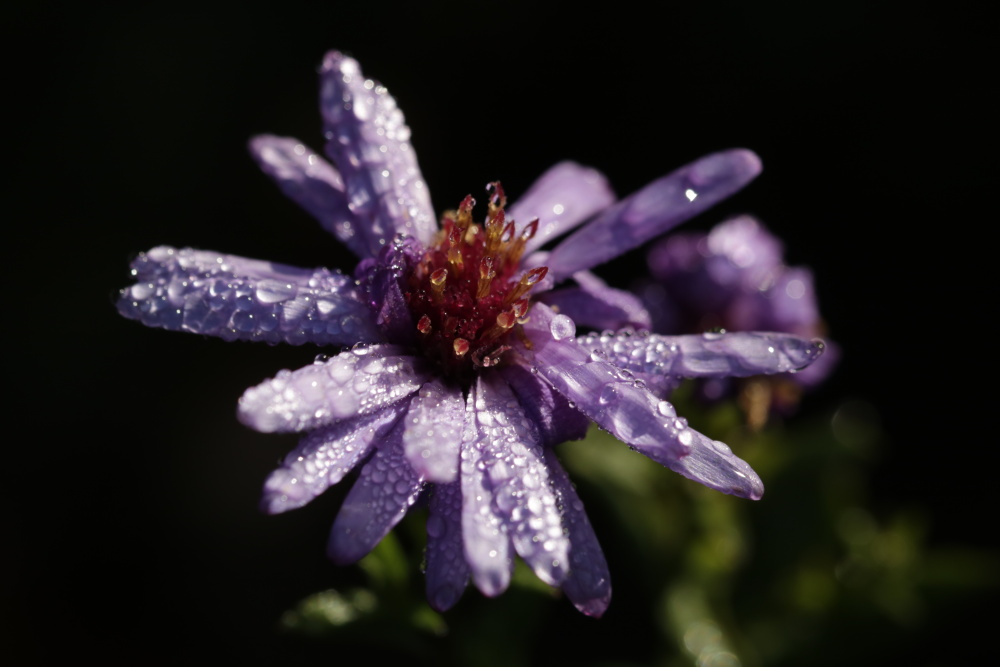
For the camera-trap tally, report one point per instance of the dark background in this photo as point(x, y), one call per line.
point(134, 488)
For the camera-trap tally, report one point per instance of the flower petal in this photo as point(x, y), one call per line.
point(707, 355)
point(358, 381)
point(562, 198)
point(588, 584)
point(245, 299)
point(386, 488)
point(324, 456)
point(593, 304)
point(612, 398)
point(712, 463)
point(547, 409)
point(447, 571)
point(312, 183)
point(515, 467)
point(433, 431)
point(369, 142)
point(653, 210)
point(484, 535)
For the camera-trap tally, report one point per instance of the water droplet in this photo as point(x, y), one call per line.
point(562, 327)
point(666, 409)
point(722, 448)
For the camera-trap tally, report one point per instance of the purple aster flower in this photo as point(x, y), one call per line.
point(734, 278)
point(459, 366)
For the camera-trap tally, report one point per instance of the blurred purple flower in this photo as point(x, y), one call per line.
point(734, 278)
point(454, 385)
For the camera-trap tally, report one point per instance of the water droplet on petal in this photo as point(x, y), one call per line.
point(562, 327)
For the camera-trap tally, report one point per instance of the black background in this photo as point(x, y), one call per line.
point(134, 488)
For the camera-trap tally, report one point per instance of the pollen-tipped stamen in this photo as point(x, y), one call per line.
point(438, 279)
point(486, 275)
point(527, 281)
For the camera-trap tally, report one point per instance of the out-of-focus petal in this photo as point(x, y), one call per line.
point(386, 488)
point(311, 182)
point(324, 456)
point(588, 583)
point(515, 467)
point(707, 355)
point(547, 409)
point(447, 571)
point(484, 536)
point(369, 141)
point(236, 298)
point(562, 198)
point(612, 398)
point(358, 381)
point(433, 431)
point(653, 210)
point(593, 304)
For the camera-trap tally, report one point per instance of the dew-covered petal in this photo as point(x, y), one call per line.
point(433, 431)
point(646, 364)
point(620, 405)
point(369, 142)
point(236, 298)
point(713, 464)
point(447, 571)
point(311, 182)
point(708, 355)
point(653, 210)
point(608, 395)
point(324, 456)
point(355, 382)
point(588, 583)
point(484, 536)
point(593, 304)
point(386, 488)
point(556, 420)
point(515, 467)
point(562, 198)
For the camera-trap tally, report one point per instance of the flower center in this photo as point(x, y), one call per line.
point(465, 293)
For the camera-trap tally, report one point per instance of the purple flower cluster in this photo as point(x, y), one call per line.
point(460, 366)
point(734, 278)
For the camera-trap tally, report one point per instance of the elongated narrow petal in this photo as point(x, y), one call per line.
point(562, 198)
point(359, 381)
point(447, 571)
point(386, 488)
point(433, 431)
point(612, 398)
point(484, 536)
point(515, 467)
point(654, 210)
point(236, 298)
point(593, 304)
point(369, 141)
point(707, 355)
point(324, 456)
point(557, 421)
point(713, 464)
point(588, 584)
point(314, 184)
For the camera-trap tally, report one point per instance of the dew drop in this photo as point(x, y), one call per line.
point(666, 409)
point(562, 327)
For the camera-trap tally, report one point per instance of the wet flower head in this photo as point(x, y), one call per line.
point(453, 366)
point(468, 292)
